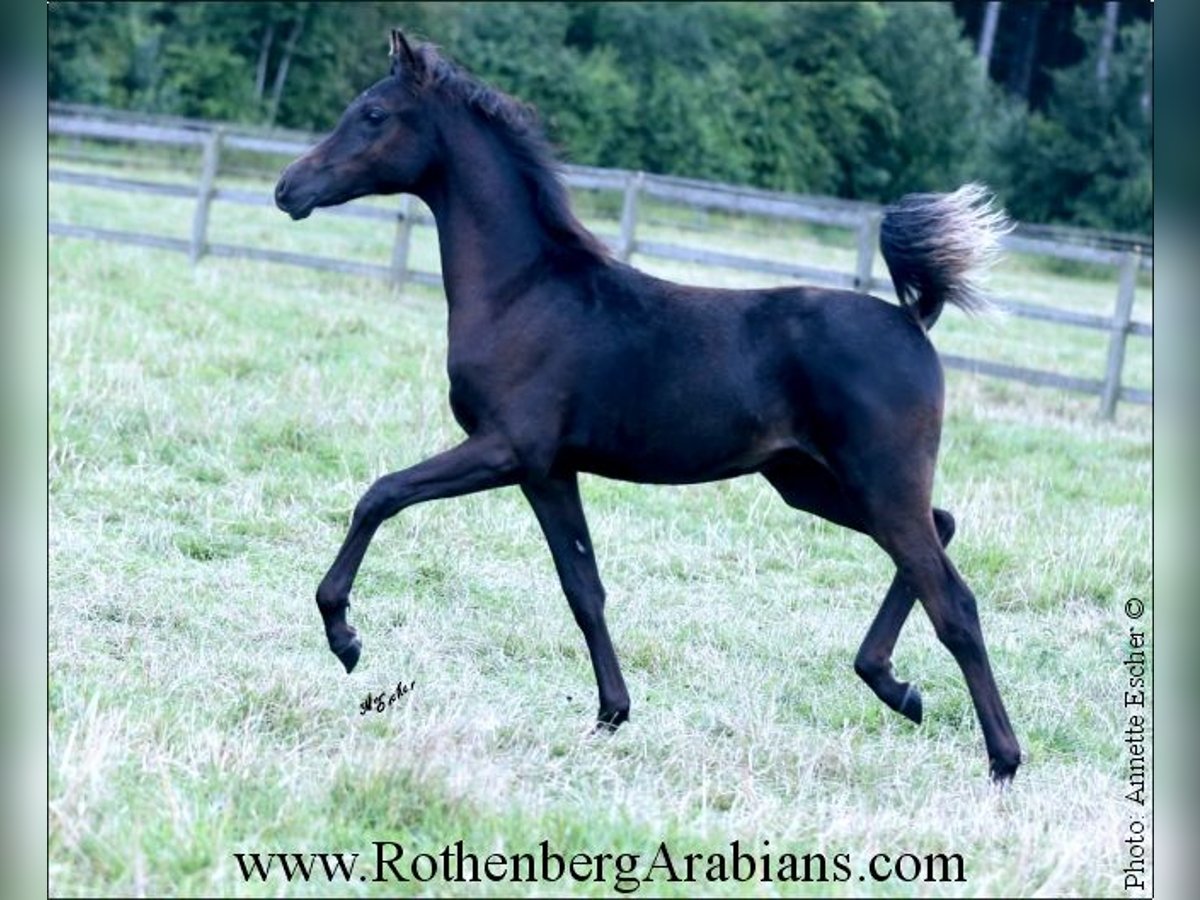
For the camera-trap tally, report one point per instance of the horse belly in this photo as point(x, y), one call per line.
point(687, 442)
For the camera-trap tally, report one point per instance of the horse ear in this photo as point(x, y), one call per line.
point(402, 54)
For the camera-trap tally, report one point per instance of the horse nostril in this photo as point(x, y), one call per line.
point(281, 189)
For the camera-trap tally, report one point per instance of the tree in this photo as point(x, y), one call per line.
point(940, 108)
point(1108, 36)
point(1086, 160)
point(863, 100)
point(987, 34)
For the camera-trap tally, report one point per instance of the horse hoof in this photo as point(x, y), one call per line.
point(1002, 770)
point(910, 705)
point(348, 651)
point(609, 722)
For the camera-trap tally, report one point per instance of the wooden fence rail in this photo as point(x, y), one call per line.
point(1127, 254)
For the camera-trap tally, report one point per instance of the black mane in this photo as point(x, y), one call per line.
point(522, 134)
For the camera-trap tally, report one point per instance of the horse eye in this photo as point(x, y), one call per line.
point(375, 115)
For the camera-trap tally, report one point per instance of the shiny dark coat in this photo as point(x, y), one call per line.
point(563, 360)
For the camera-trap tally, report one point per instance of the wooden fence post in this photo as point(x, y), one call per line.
point(868, 240)
point(1127, 284)
point(208, 177)
point(629, 211)
point(402, 242)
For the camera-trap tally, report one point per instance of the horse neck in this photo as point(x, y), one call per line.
point(489, 233)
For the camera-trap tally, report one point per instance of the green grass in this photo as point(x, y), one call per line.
point(212, 428)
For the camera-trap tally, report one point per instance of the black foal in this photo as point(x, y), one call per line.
point(563, 360)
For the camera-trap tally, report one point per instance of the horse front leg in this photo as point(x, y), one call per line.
point(559, 511)
point(479, 463)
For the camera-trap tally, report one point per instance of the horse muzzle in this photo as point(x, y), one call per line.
point(291, 201)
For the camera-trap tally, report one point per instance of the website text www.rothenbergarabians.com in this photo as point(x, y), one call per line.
point(625, 872)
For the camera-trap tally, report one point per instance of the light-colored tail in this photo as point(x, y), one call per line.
point(936, 244)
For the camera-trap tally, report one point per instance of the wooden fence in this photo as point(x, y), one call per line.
point(1126, 254)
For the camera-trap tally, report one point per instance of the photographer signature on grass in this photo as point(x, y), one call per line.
point(385, 699)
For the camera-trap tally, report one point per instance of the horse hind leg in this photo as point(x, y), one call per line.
point(807, 485)
point(923, 564)
point(873, 664)
point(915, 538)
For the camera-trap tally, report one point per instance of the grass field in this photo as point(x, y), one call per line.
point(211, 429)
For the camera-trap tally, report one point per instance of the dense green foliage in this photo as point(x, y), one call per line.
point(862, 100)
point(1087, 158)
